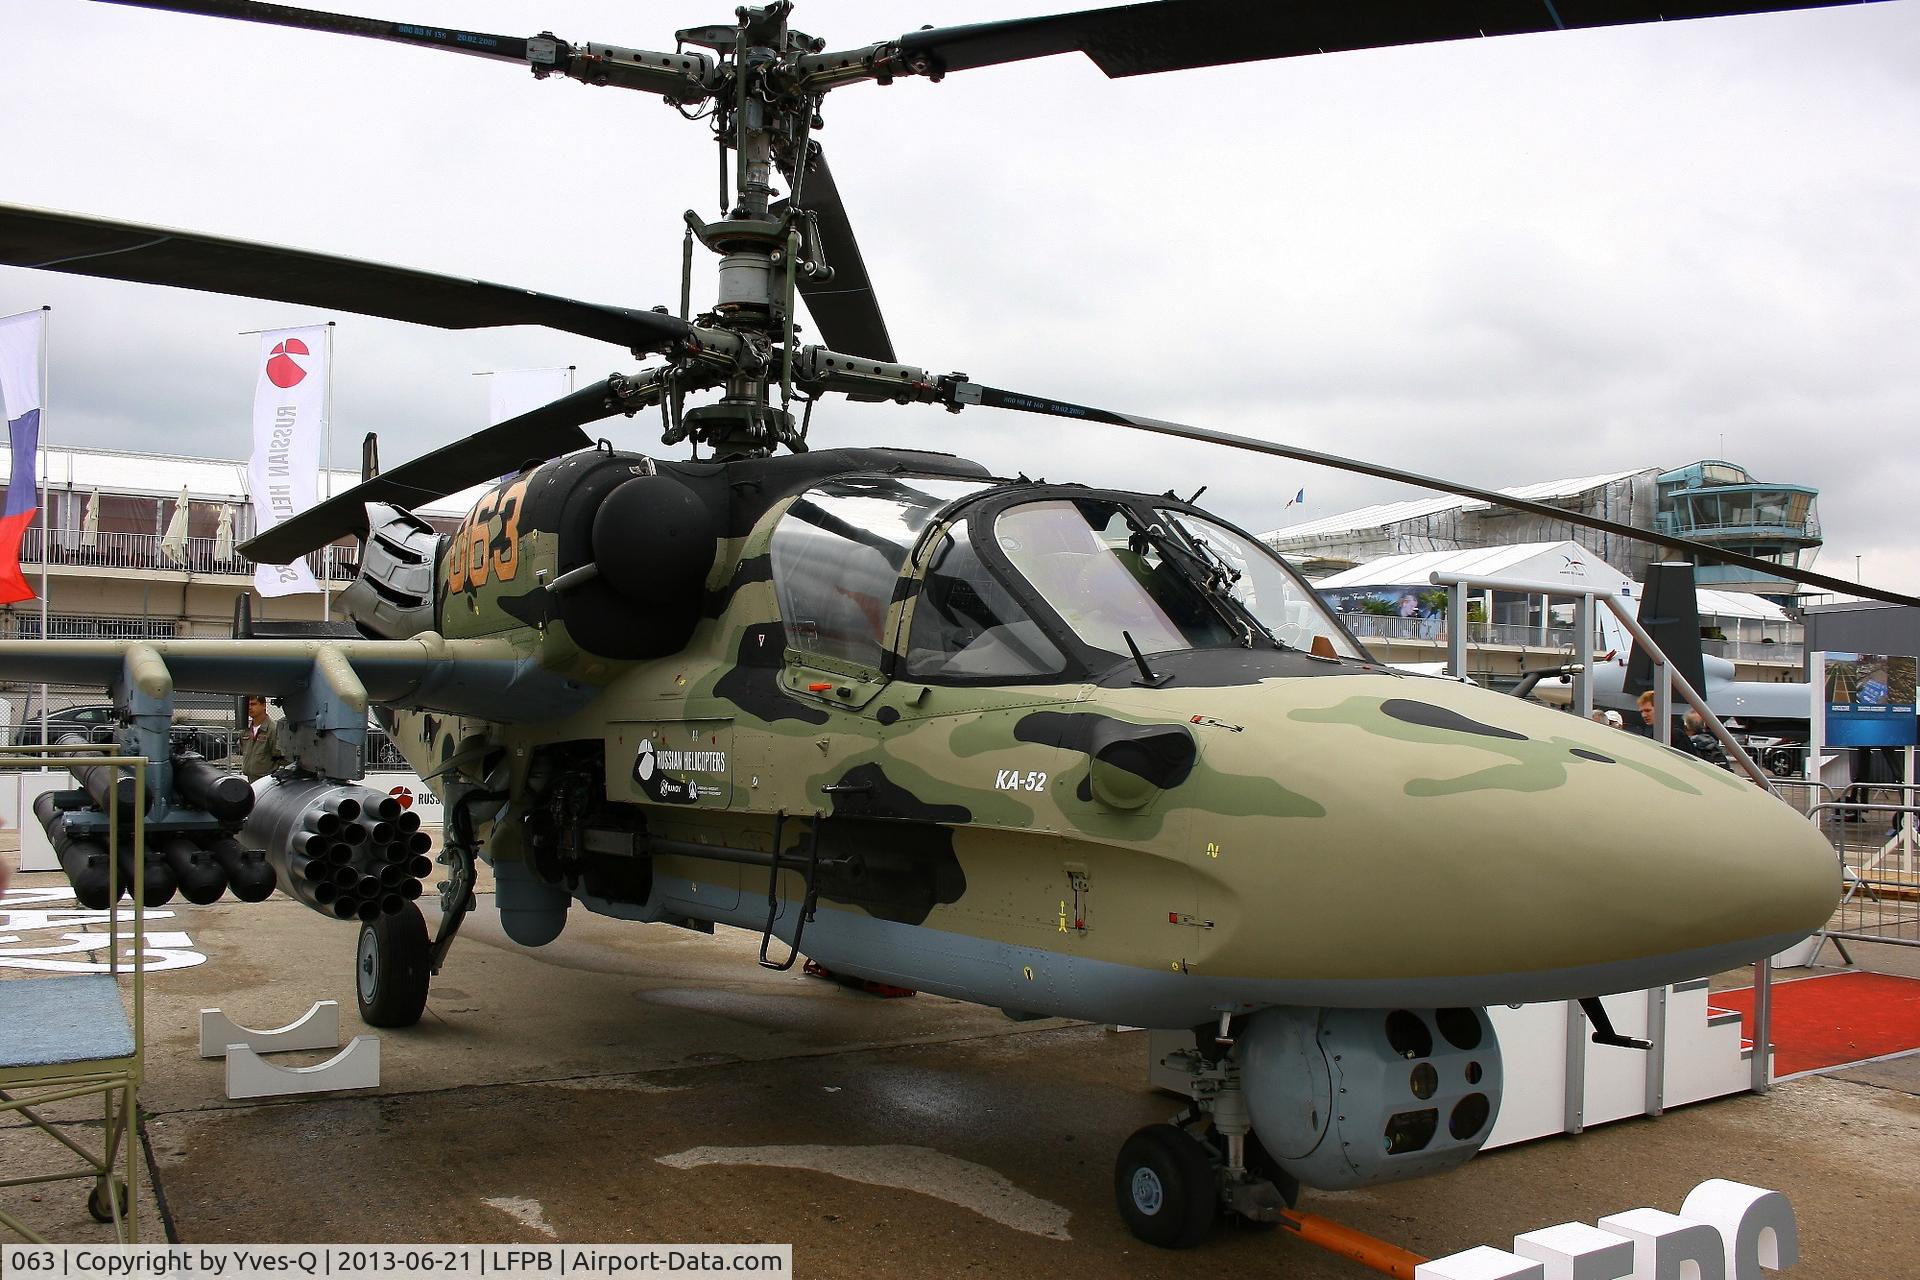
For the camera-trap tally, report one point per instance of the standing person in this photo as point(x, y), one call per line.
point(1648, 709)
point(261, 754)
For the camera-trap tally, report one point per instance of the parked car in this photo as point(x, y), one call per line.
point(96, 722)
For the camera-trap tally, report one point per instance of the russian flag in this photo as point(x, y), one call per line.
point(20, 339)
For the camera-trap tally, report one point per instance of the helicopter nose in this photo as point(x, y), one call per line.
point(1494, 850)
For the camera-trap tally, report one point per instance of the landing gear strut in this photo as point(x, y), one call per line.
point(395, 961)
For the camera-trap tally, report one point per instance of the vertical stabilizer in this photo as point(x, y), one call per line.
point(1670, 611)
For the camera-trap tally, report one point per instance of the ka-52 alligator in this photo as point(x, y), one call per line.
point(1053, 749)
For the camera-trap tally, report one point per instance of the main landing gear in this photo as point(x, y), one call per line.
point(395, 961)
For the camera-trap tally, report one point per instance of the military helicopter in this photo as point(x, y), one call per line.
point(1054, 749)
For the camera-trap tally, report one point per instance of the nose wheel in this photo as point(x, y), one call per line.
point(1163, 1184)
point(392, 968)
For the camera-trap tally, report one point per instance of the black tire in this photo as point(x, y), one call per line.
point(1164, 1188)
point(390, 969)
point(98, 1208)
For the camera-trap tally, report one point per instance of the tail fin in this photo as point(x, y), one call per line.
point(1670, 611)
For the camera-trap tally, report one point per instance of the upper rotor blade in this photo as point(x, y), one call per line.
point(479, 44)
point(546, 432)
point(77, 245)
point(844, 309)
point(1173, 35)
point(993, 397)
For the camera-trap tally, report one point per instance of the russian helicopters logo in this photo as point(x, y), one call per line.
point(283, 370)
point(649, 764)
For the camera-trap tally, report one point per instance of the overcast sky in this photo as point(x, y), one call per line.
point(1504, 260)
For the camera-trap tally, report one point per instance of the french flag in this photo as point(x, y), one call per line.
point(20, 341)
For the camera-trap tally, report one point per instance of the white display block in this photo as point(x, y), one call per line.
point(317, 1028)
point(1576, 1251)
point(1481, 1263)
point(1756, 1225)
point(1664, 1243)
point(355, 1067)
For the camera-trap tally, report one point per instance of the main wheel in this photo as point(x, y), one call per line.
point(390, 969)
point(1163, 1185)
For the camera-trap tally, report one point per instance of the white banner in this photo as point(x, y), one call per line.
point(517, 391)
point(289, 410)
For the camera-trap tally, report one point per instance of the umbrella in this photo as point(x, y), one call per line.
point(173, 544)
point(223, 535)
point(90, 523)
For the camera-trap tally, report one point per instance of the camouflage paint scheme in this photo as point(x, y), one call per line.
point(1348, 836)
point(1292, 829)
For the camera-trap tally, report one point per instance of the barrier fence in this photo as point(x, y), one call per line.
point(1880, 864)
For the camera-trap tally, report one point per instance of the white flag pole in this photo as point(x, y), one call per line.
point(46, 516)
point(326, 469)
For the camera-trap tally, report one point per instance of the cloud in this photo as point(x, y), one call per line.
point(1505, 260)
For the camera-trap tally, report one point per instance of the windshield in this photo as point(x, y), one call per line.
point(1107, 580)
point(837, 556)
point(1289, 610)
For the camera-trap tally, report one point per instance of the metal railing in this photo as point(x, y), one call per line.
point(1876, 844)
point(1666, 682)
point(1437, 629)
point(196, 555)
point(1787, 652)
point(1666, 679)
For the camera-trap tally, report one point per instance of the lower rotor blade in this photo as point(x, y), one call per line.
point(968, 393)
point(76, 245)
point(546, 432)
point(844, 309)
point(478, 44)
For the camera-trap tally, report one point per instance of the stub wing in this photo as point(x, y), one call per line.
point(326, 686)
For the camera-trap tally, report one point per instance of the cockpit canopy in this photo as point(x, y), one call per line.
point(949, 580)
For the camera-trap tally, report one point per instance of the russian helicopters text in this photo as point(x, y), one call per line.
point(1054, 749)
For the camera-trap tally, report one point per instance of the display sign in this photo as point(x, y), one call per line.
point(1870, 700)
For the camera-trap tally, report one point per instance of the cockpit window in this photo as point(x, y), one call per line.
point(1089, 562)
point(1283, 605)
point(837, 555)
point(968, 626)
point(1166, 579)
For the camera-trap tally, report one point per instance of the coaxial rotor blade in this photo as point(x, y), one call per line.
point(1173, 35)
point(543, 433)
point(478, 44)
point(844, 309)
point(972, 393)
point(77, 245)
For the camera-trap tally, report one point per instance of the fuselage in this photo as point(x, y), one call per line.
point(1007, 805)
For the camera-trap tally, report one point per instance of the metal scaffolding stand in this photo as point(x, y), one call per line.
point(69, 1037)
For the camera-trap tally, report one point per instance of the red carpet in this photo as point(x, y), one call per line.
point(1834, 1019)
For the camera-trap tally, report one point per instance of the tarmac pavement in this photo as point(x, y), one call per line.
point(643, 1083)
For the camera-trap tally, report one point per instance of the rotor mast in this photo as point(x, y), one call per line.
point(762, 249)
